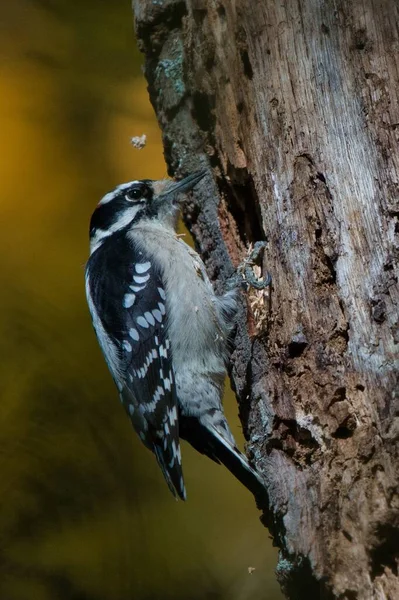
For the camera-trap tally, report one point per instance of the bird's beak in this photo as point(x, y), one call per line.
point(188, 183)
point(173, 190)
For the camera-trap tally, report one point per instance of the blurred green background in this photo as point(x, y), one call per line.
point(85, 513)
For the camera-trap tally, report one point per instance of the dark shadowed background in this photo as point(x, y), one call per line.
point(85, 513)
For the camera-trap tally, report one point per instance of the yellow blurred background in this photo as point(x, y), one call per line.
point(85, 513)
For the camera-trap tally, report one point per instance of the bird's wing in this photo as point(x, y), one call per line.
point(128, 300)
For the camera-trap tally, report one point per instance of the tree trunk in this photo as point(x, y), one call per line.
point(293, 105)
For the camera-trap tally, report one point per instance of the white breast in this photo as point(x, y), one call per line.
point(197, 333)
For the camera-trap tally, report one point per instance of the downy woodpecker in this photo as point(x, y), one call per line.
point(162, 329)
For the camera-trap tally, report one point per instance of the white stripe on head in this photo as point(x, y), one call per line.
point(120, 188)
point(125, 217)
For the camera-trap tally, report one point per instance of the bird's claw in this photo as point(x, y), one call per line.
point(244, 275)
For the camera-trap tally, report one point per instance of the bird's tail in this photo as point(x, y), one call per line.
point(208, 440)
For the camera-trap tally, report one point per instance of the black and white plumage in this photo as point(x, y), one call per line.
point(162, 329)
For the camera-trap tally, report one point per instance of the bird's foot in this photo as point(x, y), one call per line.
point(244, 276)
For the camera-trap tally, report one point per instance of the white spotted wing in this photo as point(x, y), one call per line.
point(130, 303)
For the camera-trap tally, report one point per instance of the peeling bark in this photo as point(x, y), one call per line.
point(294, 107)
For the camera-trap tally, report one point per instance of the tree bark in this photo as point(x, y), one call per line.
point(293, 105)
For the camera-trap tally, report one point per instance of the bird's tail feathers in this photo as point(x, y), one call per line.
point(235, 461)
point(208, 440)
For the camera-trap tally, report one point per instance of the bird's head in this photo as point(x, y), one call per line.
point(132, 203)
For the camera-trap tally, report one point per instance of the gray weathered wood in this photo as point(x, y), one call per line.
point(294, 106)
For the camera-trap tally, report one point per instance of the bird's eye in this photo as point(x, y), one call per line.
point(134, 194)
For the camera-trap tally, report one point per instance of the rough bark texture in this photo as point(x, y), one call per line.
point(294, 106)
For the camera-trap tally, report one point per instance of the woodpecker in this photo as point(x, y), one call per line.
point(161, 327)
